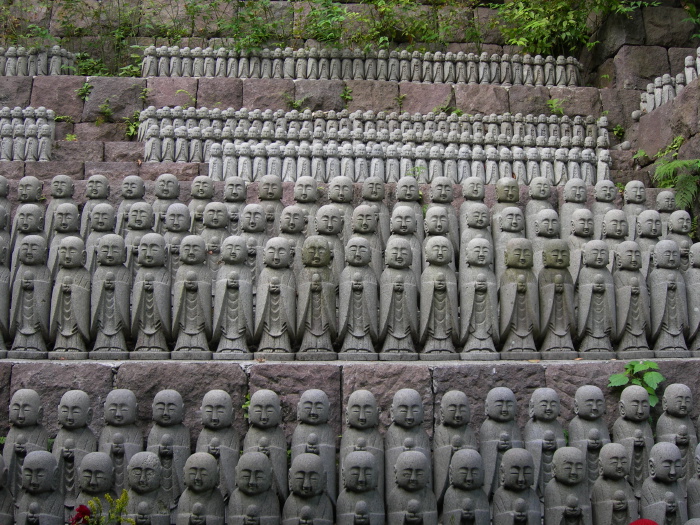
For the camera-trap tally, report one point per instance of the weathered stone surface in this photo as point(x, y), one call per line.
point(636, 66)
point(52, 380)
point(484, 99)
point(114, 171)
point(46, 170)
point(524, 99)
point(105, 132)
point(667, 26)
point(290, 380)
point(163, 91)
point(12, 170)
point(676, 58)
point(578, 101)
point(622, 160)
point(59, 93)
point(122, 95)
point(684, 114)
point(323, 95)
point(63, 129)
point(373, 94)
point(77, 150)
point(183, 171)
point(680, 371)
point(654, 131)
point(123, 151)
point(617, 31)
point(219, 93)
point(15, 91)
point(483, 18)
point(619, 104)
point(424, 98)
point(384, 380)
point(191, 379)
point(476, 379)
point(690, 149)
point(267, 93)
point(5, 377)
point(624, 176)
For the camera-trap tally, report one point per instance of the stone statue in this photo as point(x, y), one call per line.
point(510, 225)
point(28, 194)
point(202, 194)
point(515, 501)
point(669, 309)
point(441, 196)
point(540, 194)
point(544, 435)
point(139, 223)
point(693, 487)
point(365, 225)
point(62, 190)
point(692, 278)
point(167, 191)
point(360, 500)
point(254, 499)
point(31, 301)
point(398, 323)
point(587, 430)
point(632, 430)
point(307, 503)
point(120, 437)
point(665, 205)
point(464, 500)
point(663, 494)
point(411, 500)
point(679, 227)
point(39, 501)
point(605, 195)
point(340, 194)
point(581, 231)
point(306, 197)
point(96, 192)
point(574, 199)
point(219, 438)
point(566, 497)
point(635, 198)
point(133, 190)
point(675, 426)
point(29, 220)
point(102, 223)
point(612, 497)
point(373, 194)
point(201, 502)
point(73, 443)
point(270, 194)
point(148, 502)
point(547, 228)
point(234, 199)
point(265, 435)
point(648, 235)
point(498, 433)
point(66, 224)
point(96, 475)
point(176, 227)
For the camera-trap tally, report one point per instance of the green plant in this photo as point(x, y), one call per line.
point(323, 21)
point(68, 119)
point(93, 513)
point(681, 175)
point(84, 91)
point(296, 104)
point(642, 373)
point(400, 99)
point(619, 132)
point(145, 93)
point(446, 108)
point(105, 112)
point(71, 137)
point(132, 125)
point(246, 405)
point(193, 98)
point(556, 106)
point(346, 95)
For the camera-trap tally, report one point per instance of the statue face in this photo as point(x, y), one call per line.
point(305, 190)
point(630, 256)
point(101, 219)
point(253, 219)
point(407, 189)
point(678, 400)
point(313, 408)
point(270, 189)
point(66, 218)
point(500, 405)
point(120, 408)
point(200, 473)
point(478, 217)
point(519, 255)
point(412, 474)
point(467, 471)
point(398, 255)
point(25, 409)
point(167, 187)
point(407, 409)
point(634, 404)
point(140, 216)
point(133, 188)
point(29, 190)
point(364, 220)
point(61, 187)
point(547, 224)
point(202, 188)
point(168, 409)
point(362, 412)
point(38, 475)
point(649, 224)
point(264, 411)
point(582, 223)
point(403, 221)
point(667, 255)
point(152, 251)
point(277, 253)
point(507, 190)
point(177, 218)
point(340, 191)
point(596, 255)
point(479, 252)
point(518, 474)
point(359, 473)
point(438, 251)
point(436, 221)
point(32, 250)
point(615, 225)
point(95, 477)
point(292, 220)
point(97, 188)
point(234, 190)
point(614, 462)
point(306, 478)
point(29, 220)
point(329, 221)
point(192, 250)
point(557, 256)
point(253, 478)
point(233, 250)
point(144, 473)
point(215, 216)
point(373, 189)
point(71, 252)
point(680, 222)
point(316, 252)
point(665, 463)
point(110, 250)
point(605, 191)
point(473, 189)
point(590, 403)
point(512, 220)
point(545, 405)
point(454, 409)
point(541, 189)
point(441, 190)
point(635, 192)
point(575, 191)
point(666, 201)
point(74, 410)
point(358, 252)
point(568, 466)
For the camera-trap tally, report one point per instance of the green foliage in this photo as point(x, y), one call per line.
point(65, 118)
point(323, 20)
point(693, 10)
point(87, 66)
point(400, 100)
point(84, 91)
point(132, 125)
point(246, 405)
point(193, 98)
point(619, 132)
point(642, 373)
point(683, 176)
point(116, 514)
point(105, 112)
point(71, 137)
point(346, 95)
point(556, 106)
point(298, 104)
point(446, 108)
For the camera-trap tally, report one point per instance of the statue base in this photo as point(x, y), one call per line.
point(520, 356)
point(479, 356)
point(232, 356)
point(274, 356)
point(149, 356)
point(695, 353)
point(317, 356)
point(26, 354)
point(635, 354)
point(597, 356)
point(3, 354)
point(63, 355)
point(106, 355)
point(439, 356)
point(190, 355)
point(398, 356)
point(662, 354)
point(358, 356)
point(552, 355)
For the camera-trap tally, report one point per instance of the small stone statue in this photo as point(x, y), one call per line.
point(66, 224)
point(615, 230)
point(132, 191)
point(605, 195)
point(148, 502)
point(665, 205)
point(566, 497)
point(465, 500)
point(675, 426)
point(442, 195)
point(544, 435)
point(632, 430)
point(612, 498)
point(265, 435)
point(510, 225)
point(120, 437)
point(308, 502)
point(167, 191)
point(692, 278)
point(202, 194)
point(635, 199)
point(74, 442)
point(39, 501)
point(411, 500)
point(201, 476)
point(498, 433)
point(540, 194)
point(663, 494)
point(270, 194)
point(62, 190)
point(587, 430)
point(96, 192)
point(96, 475)
point(360, 499)
point(29, 219)
point(574, 199)
point(254, 500)
point(547, 228)
point(139, 224)
point(515, 501)
point(102, 222)
point(365, 225)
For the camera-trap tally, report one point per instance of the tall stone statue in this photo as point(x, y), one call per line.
point(254, 500)
point(566, 497)
point(7, 505)
point(693, 487)
point(605, 194)
point(510, 225)
point(408, 194)
point(675, 426)
point(515, 501)
point(648, 236)
point(201, 502)
point(139, 224)
point(663, 494)
point(557, 314)
point(574, 199)
point(66, 224)
point(404, 224)
point(234, 199)
point(148, 502)
point(612, 498)
point(102, 223)
point(442, 195)
point(411, 500)
point(167, 191)
point(39, 500)
point(587, 430)
point(62, 190)
point(215, 230)
point(581, 231)
point(540, 194)
point(465, 500)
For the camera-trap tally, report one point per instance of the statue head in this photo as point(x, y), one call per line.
point(102, 218)
point(680, 222)
point(441, 190)
point(316, 252)
point(292, 220)
point(694, 255)
point(253, 218)
point(234, 190)
point(677, 400)
point(478, 216)
point(25, 408)
point(71, 252)
point(589, 402)
point(635, 192)
point(265, 410)
point(556, 254)
point(120, 408)
point(30, 219)
point(437, 221)
point(613, 461)
point(144, 472)
point(152, 250)
point(340, 190)
point(518, 253)
point(667, 255)
point(167, 186)
point(217, 410)
point(193, 250)
point(438, 251)
point(62, 187)
point(133, 187)
point(473, 189)
point(74, 410)
point(568, 465)
point(313, 407)
point(202, 187)
point(666, 201)
point(596, 254)
point(168, 408)
point(629, 256)
point(454, 409)
point(66, 218)
point(467, 469)
point(96, 474)
point(39, 472)
point(307, 477)
point(479, 252)
point(97, 187)
point(201, 472)
point(140, 216)
point(517, 470)
point(278, 253)
point(359, 472)
point(403, 220)
point(215, 215)
point(407, 189)
point(358, 252)
point(329, 220)
point(544, 404)
point(575, 191)
point(507, 190)
point(270, 188)
point(649, 224)
point(234, 250)
point(665, 465)
point(29, 189)
point(615, 224)
point(582, 223)
point(500, 404)
point(373, 189)
point(407, 408)
point(177, 218)
point(305, 189)
point(540, 188)
point(254, 473)
point(32, 250)
point(547, 223)
point(634, 404)
point(412, 471)
point(398, 253)
point(362, 411)
point(364, 219)
point(512, 219)
point(605, 191)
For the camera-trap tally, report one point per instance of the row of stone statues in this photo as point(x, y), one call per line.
point(666, 87)
point(501, 474)
point(366, 126)
point(28, 116)
point(354, 64)
point(33, 61)
point(25, 143)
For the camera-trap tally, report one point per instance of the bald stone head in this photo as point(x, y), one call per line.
point(407, 408)
point(25, 408)
point(254, 473)
point(71, 252)
point(568, 465)
point(667, 255)
point(589, 402)
point(454, 409)
point(74, 410)
point(201, 472)
point(665, 465)
point(412, 471)
point(634, 404)
point(359, 471)
point(307, 477)
point(133, 187)
point(547, 223)
point(97, 187)
point(613, 461)
point(677, 400)
point(313, 407)
point(500, 404)
point(62, 187)
point(544, 404)
point(517, 470)
point(217, 410)
point(467, 469)
point(96, 474)
point(615, 224)
point(518, 253)
point(167, 186)
point(168, 408)
point(102, 217)
point(362, 412)
point(596, 254)
point(507, 190)
point(265, 410)
point(120, 407)
point(437, 221)
point(39, 472)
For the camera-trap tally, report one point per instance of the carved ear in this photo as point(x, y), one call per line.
point(573, 227)
point(600, 468)
point(639, 229)
point(621, 408)
point(40, 414)
point(652, 469)
point(575, 407)
point(89, 415)
point(531, 409)
point(537, 227)
point(602, 230)
point(83, 258)
point(664, 403)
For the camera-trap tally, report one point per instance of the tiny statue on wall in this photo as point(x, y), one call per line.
point(612, 497)
point(307, 501)
point(148, 502)
point(201, 502)
point(411, 500)
point(254, 499)
point(515, 501)
point(465, 500)
point(566, 496)
point(39, 501)
point(587, 430)
point(663, 492)
point(360, 499)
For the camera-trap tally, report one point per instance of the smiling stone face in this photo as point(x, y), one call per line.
point(168, 408)
point(25, 408)
point(120, 407)
point(201, 472)
point(74, 410)
point(254, 473)
point(96, 474)
point(467, 470)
